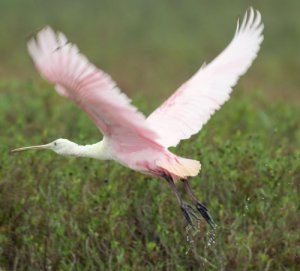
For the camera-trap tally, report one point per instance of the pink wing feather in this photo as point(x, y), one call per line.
point(91, 89)
point(192, 105)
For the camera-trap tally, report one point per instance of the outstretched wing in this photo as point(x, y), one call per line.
point(91, 89)
point(191, 106)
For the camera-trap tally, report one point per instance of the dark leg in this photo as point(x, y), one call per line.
point(185, 208)
point(200, 207)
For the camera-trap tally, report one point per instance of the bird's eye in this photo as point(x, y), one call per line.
point(55, 143)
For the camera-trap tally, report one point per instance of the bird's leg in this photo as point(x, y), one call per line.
point(200, 206)
point(185, 208)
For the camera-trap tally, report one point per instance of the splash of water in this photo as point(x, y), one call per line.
point(211, 237)
point(192, 232)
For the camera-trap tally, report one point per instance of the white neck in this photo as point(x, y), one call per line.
point(98, 150)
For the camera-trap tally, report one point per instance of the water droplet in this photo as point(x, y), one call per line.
point(191, 232)
point(211, 238)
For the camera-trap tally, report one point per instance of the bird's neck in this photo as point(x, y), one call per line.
point(98, 151)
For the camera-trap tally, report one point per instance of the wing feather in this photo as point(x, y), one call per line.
point(185, 112)
point(75, 78)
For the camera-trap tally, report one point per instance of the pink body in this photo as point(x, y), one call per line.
point(153, 160)
point(130, 138)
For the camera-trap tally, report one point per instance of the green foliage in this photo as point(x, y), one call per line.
point(60, 213)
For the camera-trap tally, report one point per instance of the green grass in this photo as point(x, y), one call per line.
point(60, 213)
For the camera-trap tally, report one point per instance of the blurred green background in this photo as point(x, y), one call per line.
point(59, 213)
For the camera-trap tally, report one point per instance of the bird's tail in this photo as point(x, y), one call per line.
point(180, 167)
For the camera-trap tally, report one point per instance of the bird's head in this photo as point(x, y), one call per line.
point(60, 146)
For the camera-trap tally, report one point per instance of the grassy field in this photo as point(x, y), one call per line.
point(61, 213)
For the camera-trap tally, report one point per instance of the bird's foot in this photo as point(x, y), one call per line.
point(205, 214)
point(188, 212)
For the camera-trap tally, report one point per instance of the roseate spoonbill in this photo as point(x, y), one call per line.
point(129, 137)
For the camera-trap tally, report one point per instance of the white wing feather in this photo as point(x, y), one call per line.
point(75, 78)
point(192, 105)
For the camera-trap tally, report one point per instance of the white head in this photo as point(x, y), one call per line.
point(60, 146)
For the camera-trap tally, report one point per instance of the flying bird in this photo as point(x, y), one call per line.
point(130, 138)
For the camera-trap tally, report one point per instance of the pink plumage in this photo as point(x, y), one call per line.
point(192, 105)
point(130, 138)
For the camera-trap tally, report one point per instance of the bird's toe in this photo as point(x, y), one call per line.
point(205, 214)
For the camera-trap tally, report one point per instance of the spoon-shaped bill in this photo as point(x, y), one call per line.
point(38, 147)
